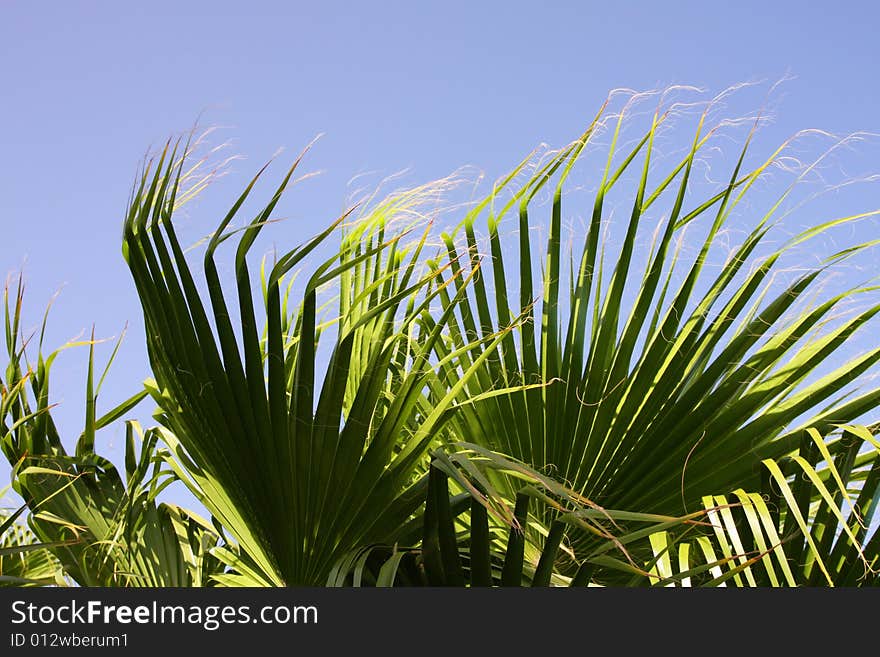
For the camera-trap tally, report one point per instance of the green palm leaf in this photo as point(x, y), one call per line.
point(299, 462)
point(811, 525)
point(659, 384)
point(104, 529)
point(24, 561)
point(503, 541)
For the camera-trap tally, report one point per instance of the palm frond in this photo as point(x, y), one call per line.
point(503, 540)
point(104, 530)
point(24, 561)
point(646, 381)
point(811, 525)
point(304, 438)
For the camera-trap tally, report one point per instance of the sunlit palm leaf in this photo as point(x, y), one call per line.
point(24, 561)
point(812, 525)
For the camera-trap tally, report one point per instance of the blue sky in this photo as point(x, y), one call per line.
point(89, 87)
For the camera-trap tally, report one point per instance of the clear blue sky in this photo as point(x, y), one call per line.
point(88, 87)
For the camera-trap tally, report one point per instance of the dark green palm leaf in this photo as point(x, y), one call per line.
point(299, 456)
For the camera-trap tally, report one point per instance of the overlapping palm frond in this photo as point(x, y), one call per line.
point(297, 461)
point(104, 530)
point(812, 523)
point(505, 540)
point(24, 561)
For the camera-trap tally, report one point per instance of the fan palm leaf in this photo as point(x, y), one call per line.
point(656, 385)
point(299, 462)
